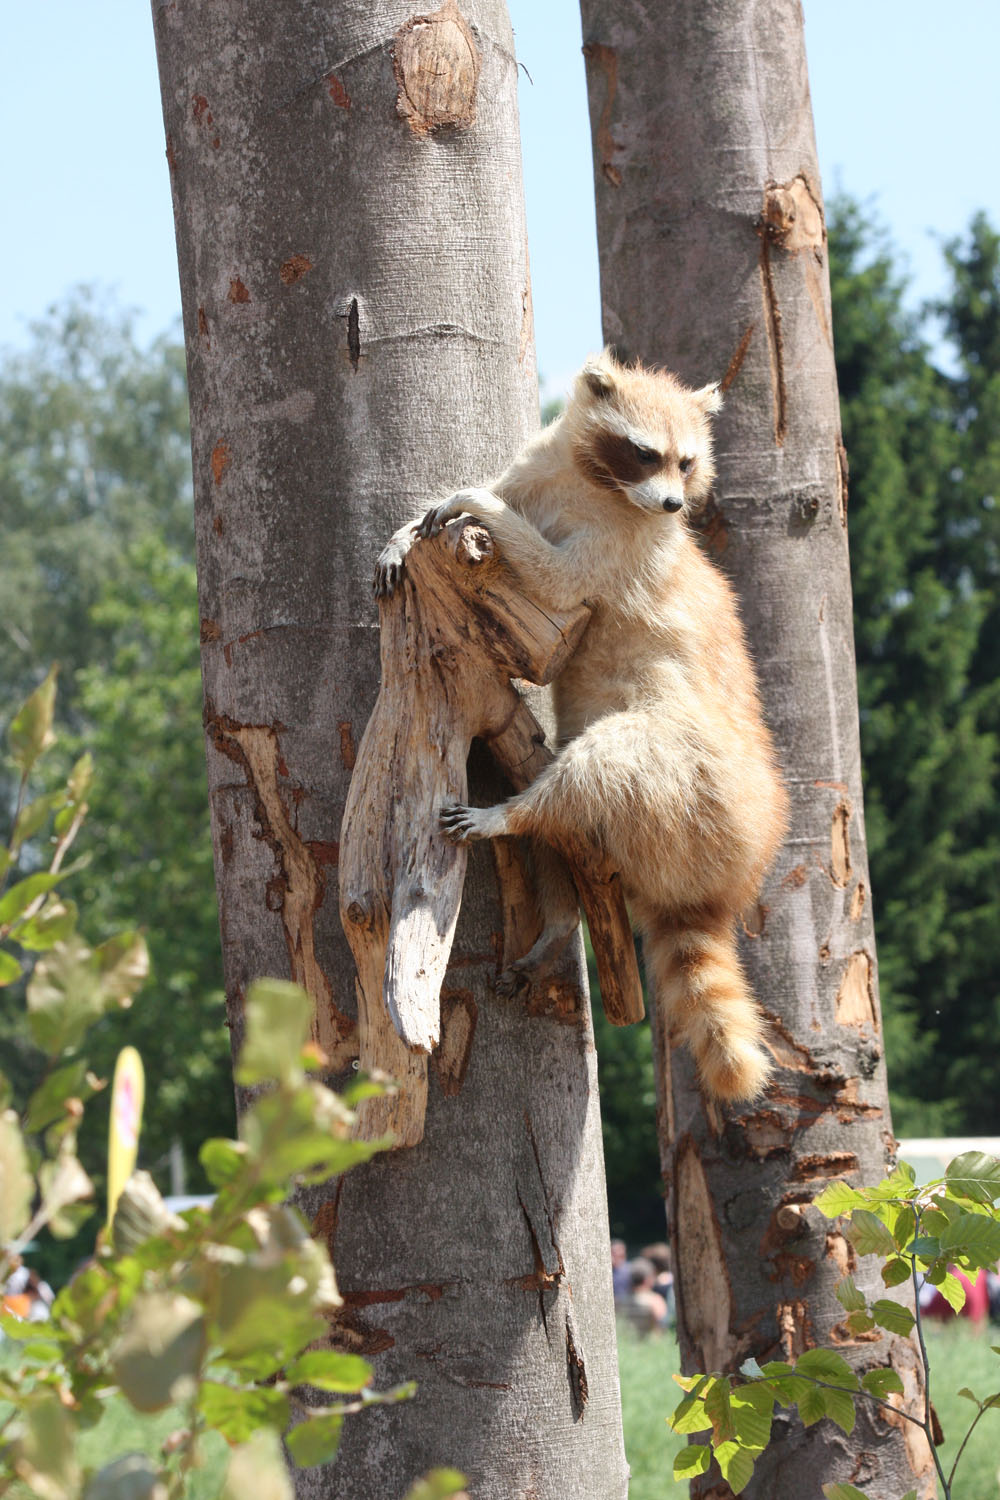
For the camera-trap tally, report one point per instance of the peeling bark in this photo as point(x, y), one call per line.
point(359, 343)
point(713, 263)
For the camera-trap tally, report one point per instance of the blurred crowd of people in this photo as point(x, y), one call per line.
point(644, 1287)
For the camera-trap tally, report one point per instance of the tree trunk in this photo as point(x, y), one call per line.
point(713, 263)
point(358, 323)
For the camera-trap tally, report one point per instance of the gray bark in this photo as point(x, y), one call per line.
point(713, 263)
point(357, 313)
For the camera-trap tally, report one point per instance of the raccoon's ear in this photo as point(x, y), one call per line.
point(709, 398)
point(598, 378)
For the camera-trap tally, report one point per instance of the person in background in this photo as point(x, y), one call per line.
point(644, 1308)
point(619, 1271)
point(659, 1256)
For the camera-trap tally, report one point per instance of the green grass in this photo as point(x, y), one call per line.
point(958, 1357)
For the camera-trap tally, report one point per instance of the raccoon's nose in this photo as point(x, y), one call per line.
point(672, 503)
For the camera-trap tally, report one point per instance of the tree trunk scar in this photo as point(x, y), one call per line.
point(787, 1052)
point(436, 64)
point(238, 291)
point(855, 997)
point(353, 334)
point(775, 342)
point(833, 1164)
point(858, 901)
point(348, 754)
point(337, 90)
point(300, 883)
point(293, 269)
point(605, 58)
point(840, 845)
point(220, 461)
point(705, 1296)
point(450, 1060)
point(843, 474)
point(541, 1279)
point(733, 368)
point(576, 1370)
point(795, 1329)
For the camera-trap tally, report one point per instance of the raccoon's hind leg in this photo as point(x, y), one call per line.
point(559, 909)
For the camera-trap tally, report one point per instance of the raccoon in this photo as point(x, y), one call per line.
point(664, 758)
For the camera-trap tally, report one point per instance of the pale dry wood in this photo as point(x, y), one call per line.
point(453, 635)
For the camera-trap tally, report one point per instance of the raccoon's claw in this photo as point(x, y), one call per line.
point(513, 983)
point(389, 569)
point(435, 518)
point(458, 822)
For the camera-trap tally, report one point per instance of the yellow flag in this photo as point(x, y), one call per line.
point(127, 1095)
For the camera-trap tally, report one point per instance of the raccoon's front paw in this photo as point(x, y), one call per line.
point(390, 567)
point(462, 824)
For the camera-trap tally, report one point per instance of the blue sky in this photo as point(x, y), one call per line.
point(905, 99)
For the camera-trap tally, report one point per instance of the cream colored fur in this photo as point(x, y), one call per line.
point(665, 758)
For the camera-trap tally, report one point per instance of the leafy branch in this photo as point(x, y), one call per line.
point(921, 1233)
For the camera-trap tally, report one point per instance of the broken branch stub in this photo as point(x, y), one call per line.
point(453, 634)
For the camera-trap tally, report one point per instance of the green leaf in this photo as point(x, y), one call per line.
point(717, 1407)
point(160, 1350)
point(952, 1291)
point(223, 1161)
point(902, 1225)
point(974, 1175)
point(892, 1316)
point(328, 1370)
point(34, 816)
point(881, 1382)
point(45, 1451)
point(824, 1364)
point(315, 1441)
point(17, 1186)
point(237, 1413)
point(848, 1296)
point(751, 1369)
point(439, 1484)
point(845, 1492)
point(258, 1468)
point(860, 1322)
point(15, 902)
point(812, 1405)
point(278, 1020)
point(840, 1408)
point(690, 1416)
point(895, 1271)
point(969, 1396)
point(122, 966)
point(868, 1234)
point(973, 1236)
point(48, 1102)
point(10, 969)
point(80, 778)
point(838, 1199)
point(736, 1465)
point(133, 1477)
point(55, 922)
point(752, 1408)
point(692, 1459)
point(924, 1247)
point(30, 733)
point(64, 999)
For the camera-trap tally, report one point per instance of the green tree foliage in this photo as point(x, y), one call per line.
point(97, 573)
point(924, 459)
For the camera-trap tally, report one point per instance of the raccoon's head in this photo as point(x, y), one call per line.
point(642, 434)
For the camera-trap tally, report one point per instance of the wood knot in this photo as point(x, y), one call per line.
point(359, 915)
point(474, 545)
point(436, 63)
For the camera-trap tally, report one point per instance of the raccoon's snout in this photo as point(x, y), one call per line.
point(672, 503)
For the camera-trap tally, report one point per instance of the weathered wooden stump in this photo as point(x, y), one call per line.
point(454, 634)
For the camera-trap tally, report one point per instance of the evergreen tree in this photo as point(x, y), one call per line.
point(920, 560)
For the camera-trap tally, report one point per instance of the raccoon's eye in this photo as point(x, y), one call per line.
point(645, 455)
point(686, 465)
